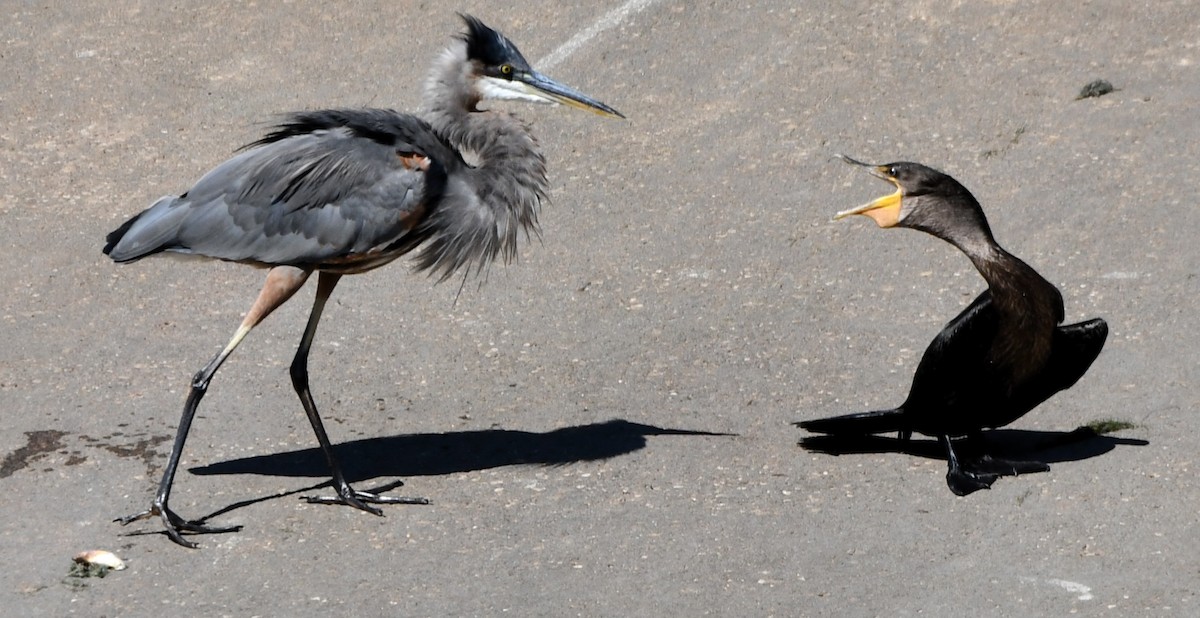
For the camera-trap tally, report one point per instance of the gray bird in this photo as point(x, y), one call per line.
point(344, 191)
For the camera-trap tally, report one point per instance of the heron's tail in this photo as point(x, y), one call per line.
point(114, 237)
point(146, 233)
point(863, 423)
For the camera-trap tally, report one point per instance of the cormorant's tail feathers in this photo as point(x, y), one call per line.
point(862, 423)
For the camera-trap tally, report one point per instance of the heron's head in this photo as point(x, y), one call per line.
point(501, 72)
point(925, 199)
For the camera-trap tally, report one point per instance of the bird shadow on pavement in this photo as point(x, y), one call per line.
point(1016, 444)
point(460, 451)
point(445, 453)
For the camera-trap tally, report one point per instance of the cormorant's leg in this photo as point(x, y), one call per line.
point(961, 480)
point(299, 371)
point(282, 282)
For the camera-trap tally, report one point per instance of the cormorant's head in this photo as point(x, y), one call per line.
point(925, 199)
point(501, 72)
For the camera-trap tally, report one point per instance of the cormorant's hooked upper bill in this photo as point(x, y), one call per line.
point(886, 210)
point(507, 75)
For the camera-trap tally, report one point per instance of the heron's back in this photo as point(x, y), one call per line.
point(342, 189)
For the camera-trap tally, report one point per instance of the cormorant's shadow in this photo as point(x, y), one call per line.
point(1014, 444)
point(463, 451)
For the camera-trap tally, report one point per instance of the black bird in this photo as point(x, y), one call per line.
point(346, 191)
point(1003, 355)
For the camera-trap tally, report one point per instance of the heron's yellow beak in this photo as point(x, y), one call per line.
point(556, 92)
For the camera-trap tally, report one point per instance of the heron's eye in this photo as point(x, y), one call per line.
point(506, 70)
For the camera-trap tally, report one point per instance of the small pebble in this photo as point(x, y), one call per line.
point(1097, 88)
point(100, 557)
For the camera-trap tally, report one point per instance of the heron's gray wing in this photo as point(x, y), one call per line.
point(307, 198)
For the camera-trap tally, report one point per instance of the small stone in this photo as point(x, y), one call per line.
point(1097, 88)
point(100, 557)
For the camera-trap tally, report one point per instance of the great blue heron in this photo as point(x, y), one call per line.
point(345, 191)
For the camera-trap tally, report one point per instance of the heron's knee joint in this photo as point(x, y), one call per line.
point(299, 373)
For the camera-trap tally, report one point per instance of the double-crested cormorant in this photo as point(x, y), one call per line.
point(1001, 357)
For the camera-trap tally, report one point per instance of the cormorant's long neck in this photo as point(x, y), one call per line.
point(1015, 286)
point(1029, 307)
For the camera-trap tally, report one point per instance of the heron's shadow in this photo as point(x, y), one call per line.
point(1015, 444)
point(462, 451)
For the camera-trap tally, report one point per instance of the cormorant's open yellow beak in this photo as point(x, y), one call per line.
point(885, 211)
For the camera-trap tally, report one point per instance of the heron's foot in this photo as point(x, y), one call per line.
point(362, 499)
point(176, 525)
point(963, 482)
point(1004, 467)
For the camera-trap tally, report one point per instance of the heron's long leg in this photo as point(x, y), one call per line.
point(282, 282)
point(299, 371)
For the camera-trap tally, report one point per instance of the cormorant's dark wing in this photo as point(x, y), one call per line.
point(958, 389)
point(325, 187)
point(951, 376)
point(954, 377)
point(1076, 347)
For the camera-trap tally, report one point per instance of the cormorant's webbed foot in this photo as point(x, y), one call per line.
point(361, 499)
point(1004, 467)
point(176, 525)
point(961, 479)
point(974, 474)
point(963, 482)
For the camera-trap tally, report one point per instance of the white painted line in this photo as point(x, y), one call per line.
point(1081, 592)
point(609, 20)
point(1084, 592)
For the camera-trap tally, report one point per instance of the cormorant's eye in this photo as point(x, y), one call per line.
point(506, 70)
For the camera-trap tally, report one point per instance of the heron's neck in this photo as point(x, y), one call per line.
point(509, 175)
point(499, 143)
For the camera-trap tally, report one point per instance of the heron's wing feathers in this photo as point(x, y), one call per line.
point(330, 186)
